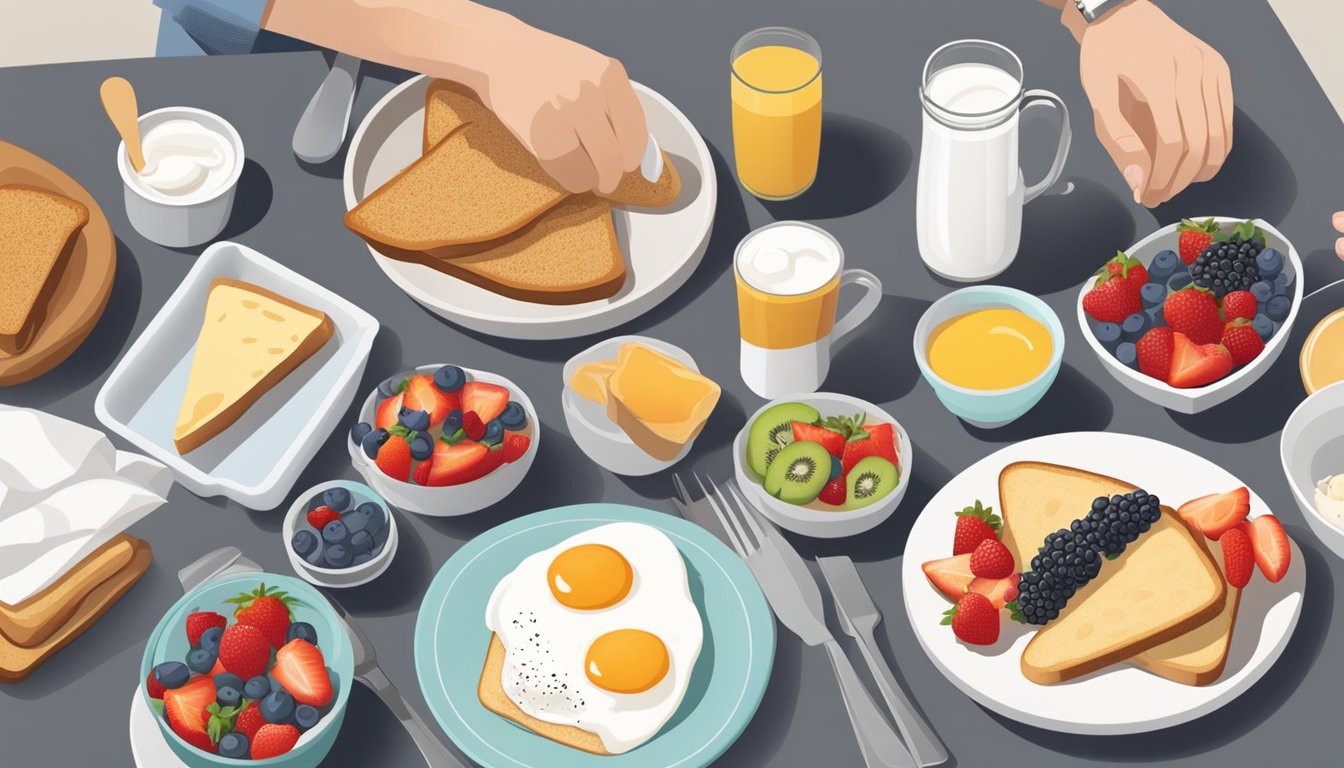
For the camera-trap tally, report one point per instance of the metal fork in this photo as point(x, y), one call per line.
point(794, 596)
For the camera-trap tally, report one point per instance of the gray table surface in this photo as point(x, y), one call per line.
point(1286, 167)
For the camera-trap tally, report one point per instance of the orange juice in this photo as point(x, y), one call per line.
point(776, 92)
point(1322, 358)
point(995, 348)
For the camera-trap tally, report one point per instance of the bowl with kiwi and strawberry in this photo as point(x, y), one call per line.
point(1191, 315)
point(823, 465)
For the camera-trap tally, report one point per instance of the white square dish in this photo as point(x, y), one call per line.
point(256, 461)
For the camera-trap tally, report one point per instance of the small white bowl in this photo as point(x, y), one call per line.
point(1198, 399)
point(450, 500)
point(1311, 448)
point(181, 223)
point(598, 436)
point(338, 578)
point(823, 523)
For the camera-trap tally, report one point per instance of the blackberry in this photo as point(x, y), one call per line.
point(1230, 265)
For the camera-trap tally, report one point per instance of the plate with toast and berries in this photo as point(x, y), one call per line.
point(1193, 314)
point(1101, 583)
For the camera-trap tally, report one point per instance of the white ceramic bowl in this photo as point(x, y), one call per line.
point(355, 575)
point(824, 523)
point(598, 436)
point(1198, 399)
point(450, 500)
point(1312, 447)
point(181, 223)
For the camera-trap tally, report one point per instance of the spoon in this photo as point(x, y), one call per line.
point(119, 102)
point(322, 128)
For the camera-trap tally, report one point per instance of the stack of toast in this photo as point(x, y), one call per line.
point(38, 230)
point(478, 206)
point(33, 630)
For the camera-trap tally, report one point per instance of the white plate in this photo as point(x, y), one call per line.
point(1119, 699)
point(256, 460)
point(148, 748)
point(662, 247)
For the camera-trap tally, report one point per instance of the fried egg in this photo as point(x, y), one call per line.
point(600, 633)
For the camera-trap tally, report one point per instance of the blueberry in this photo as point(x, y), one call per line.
point(277, 707)
point(337, 498)
point(1263, 326)
point(200, 660)
point(377, 549)
point(1156, 316)
point(228, 679)
point(380, 538)
point(1263, 291)
point(452, 422)
point(306, 716)
point(301, 630)
point(233, 744)
point(422, 447)
point(837, 469)
point(513, 417)
point(1270, 263)
point(303, 543)
point(1178, 281)
point(1127, 354)
point(390, 387)
point(338, 556)
point(412, 419)
point(494, 433)
point(227, 695)
point(1278, 308)
point(1134, 326)
point(257, 688)
point(1153, 294)
point(362, 558)
point(375, 517)
point(1163, 266)
point(172, 674)
point(210, 639)
point(314, 557)
point(1108, 334)
point(373, 441)
point(361, 542)
point(1283, 284)
point(450, 378)
point(335, 532)
point(358, 431)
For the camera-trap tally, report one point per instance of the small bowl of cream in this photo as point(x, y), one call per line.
point(184, 194)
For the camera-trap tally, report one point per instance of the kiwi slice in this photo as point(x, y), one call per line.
point(773, 430)
point(799, 472)
point(869, 480)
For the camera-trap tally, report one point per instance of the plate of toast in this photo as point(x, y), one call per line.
point(58, 257)
point(464, 219)
point(1101, 583)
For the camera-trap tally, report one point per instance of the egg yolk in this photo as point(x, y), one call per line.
point(589, 577)
point(626, 661)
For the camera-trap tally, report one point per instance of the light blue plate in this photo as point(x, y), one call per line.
point(726, 685)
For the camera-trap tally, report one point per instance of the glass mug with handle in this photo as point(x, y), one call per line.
point(789, 276)
point(968, 213)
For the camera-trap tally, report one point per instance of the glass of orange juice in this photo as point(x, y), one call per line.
point(776, 90)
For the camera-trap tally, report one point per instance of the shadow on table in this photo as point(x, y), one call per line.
point(860, 163)
point(760, 742)
point(876, 363)
point(1239, 716)
point(1073, 404)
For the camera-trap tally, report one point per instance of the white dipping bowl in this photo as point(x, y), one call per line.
point(824, 523)
point(450, 500)
point(1311, 448)
point(176, 223)
point(339, 578)
point(598, 436)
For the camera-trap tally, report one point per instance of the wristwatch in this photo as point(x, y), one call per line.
point(1095, 9)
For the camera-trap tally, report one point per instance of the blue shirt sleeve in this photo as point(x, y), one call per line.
point(218, 26)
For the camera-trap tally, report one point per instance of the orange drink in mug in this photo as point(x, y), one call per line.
point(776, 91)
point(788, 277)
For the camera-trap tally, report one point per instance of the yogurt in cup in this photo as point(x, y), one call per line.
point(184, 195)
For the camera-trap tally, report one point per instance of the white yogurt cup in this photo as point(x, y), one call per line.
point(195, 213)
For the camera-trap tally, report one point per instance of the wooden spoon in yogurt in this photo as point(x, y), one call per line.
point(118, 99)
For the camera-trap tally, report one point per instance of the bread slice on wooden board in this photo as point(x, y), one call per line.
point(34, 620)
point(1199, 656)
point(37, 232)
point(491, 693)
point(17, 662)
point(250, 339)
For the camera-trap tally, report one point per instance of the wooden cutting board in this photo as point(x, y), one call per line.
point(85, 285)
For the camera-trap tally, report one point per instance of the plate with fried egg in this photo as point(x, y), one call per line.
point(596, 634)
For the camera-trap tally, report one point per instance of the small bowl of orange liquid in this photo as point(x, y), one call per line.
point(990, 353)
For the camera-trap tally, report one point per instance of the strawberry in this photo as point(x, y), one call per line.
point(472, 425)
point(1154, 351)
point(394, 457)
point(833, 442)
point(515, 445)
point(974, 525)
point(1238, 557)
point(1128, 267)
point(153, 687)
point(871, 440)
point(243, 650)
point(273, 740)
point(487, 400)
point(493, 459)
point(420, 394)
point(1195, 366)
point(1239, 304)
point(952, 576)
point(1194, 312)
point(991, 560)
point(319, 517)
point(451, 462)
point(1270, 542)
point(300, 668)
point(185, 709)
point(249, 720)
point(1217, 513)
point(1194, 237)
point(834, 492)
point(1113, 296)
point(1242, 342)
point(269, 610)
point(421, 476)
point(200, 621)
point(999, 591)
point(974, 619)
point(388, 412)
point(218, 668)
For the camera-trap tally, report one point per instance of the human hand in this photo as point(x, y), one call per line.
point(1161, 99)
point(1338, 221)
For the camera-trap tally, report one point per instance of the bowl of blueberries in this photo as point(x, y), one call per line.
point(340, 534)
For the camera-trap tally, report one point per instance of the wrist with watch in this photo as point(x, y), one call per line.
point(1093, 10)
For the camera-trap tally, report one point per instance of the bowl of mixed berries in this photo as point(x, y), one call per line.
point(247, 668)
point(340, 534)
point(1194, 313)
point(443, 440)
